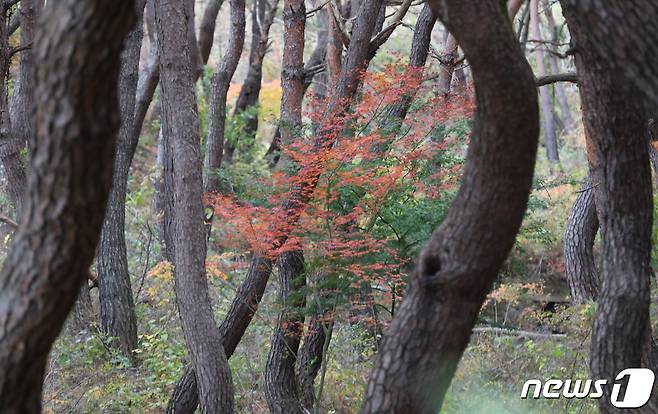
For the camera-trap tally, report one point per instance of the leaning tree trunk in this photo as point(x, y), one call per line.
point(117, 307)
point(262, 17)
point(207, 29)
point(545, 101)
point(457, 267)
point(619, 88)
point(579, 263)
point(220, 83)
point(280, 380)
point(77, 59)
point(250, 292)
point(180, 129)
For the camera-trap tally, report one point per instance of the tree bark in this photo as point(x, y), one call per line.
point(22, 106)
point(281, 388)
point(280, 380)
point(117, 307)
point(580, 267)
point(77, 60)
point(207, 29)
point(545, 101)
point(262, 17)
point(13, 139)
point(220, 83)
point(250, 292)
point(616, 97)
point(420, 45)
point(560, 94)
point(180, 129)
point(457, 267)
point(311, 355)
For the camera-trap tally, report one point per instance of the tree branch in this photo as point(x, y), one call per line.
point(558, 77)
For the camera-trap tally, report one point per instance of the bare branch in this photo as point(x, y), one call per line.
point(558, 77)
point(9, 221)
point(381, 37)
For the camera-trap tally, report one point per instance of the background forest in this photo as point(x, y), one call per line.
point(322, 142)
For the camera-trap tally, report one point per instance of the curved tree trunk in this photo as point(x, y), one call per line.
point(77, 59)
point(220, 83)
point(458, 265)
point(180, 130)
point(580, 267)
point(545, 101)
point(250, 292)
point(207, 29)
point(262, 17)
point(117, 307)
point(619, 88)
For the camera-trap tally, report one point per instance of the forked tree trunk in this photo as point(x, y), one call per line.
point(262, 17)
point(220, 83)
point(250, 292)
point(457, 267)
point(117, 307)
point(545, 101)
point(580, 267)
point(180, 130)
point(77, 60)
point(619, 88)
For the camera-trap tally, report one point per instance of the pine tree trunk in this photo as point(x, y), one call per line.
point(77, 64)
point(580, 267)
point(262, 18)
point(251, 290)
point(457, 267)
point(117, 307)
point(545, 101)
point(180, 130)
point(220, 83)
point(617, 94)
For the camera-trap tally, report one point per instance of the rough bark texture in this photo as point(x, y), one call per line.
point(262, 17)
point(250, 292)
point(180, 129)
point(617, 94)
point(545, 101)
point(77, 60)
point(449, 61)
point(580, 267)
point(22, 106)
point(458, 265)
point(280, 379)
point(420, 45)
point(310, 357)
point(281, 388)
point(117, 307)
point(12, 144)
point(220, 83)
